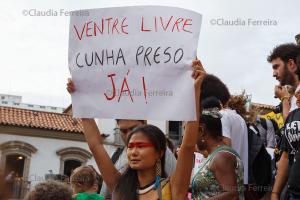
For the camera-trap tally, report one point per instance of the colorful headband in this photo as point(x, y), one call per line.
point(212, 112)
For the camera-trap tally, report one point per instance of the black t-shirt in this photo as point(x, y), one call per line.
point(291, 144)
point(291, 135)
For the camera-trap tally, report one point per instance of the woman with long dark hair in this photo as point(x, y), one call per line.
point(145, 177)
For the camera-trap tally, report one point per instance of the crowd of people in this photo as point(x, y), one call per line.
point(233, 140)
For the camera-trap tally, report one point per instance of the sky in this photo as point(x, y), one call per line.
point(34, 49)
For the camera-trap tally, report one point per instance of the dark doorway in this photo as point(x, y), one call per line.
point(175, 131)
point(15, 163)
point(14, 169)
point(70, 165)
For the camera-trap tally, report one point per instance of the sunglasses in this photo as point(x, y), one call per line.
point(139, 145)
point(126, 130)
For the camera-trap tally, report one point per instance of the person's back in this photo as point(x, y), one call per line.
point(206, 185)
point(234, 127)
point(266, 132)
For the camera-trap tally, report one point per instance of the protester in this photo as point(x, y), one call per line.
point(234, 128)
point(146, 146)
point(221, 174)
point(259, 160)
point(265, 127)
point(50, 190)
point(119, 157)
point(85, 183)
point(283, 60)
point(285, 70)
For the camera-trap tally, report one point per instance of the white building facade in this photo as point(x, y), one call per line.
point(36, 145)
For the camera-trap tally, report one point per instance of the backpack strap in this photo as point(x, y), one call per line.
point(212, 155)
point(253, 128)
point(115, 157)
point(227, 149)
point(263, 123)
point(164, 182)
point(275, 125)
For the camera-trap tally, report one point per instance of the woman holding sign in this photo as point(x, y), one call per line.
point(145, 177)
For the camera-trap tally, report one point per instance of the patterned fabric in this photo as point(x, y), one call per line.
point(212, 112)
point(205, 184)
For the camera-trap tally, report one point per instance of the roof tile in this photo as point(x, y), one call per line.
point(39, 119)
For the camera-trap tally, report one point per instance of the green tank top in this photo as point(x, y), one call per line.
point(88, 196)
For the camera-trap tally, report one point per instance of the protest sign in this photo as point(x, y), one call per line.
point(134, 62)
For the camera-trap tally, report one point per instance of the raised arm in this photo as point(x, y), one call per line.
point(282, 92)
point(180, 180)
point(93, 137)
point(107, 169)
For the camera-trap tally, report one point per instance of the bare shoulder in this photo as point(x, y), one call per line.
point(222, 160)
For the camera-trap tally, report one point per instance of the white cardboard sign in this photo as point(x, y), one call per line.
point(133, 62)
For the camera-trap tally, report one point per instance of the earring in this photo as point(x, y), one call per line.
point(158, 173)
point(203, 141)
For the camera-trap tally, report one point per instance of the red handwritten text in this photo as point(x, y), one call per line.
point(170, 24)
point(107, 26)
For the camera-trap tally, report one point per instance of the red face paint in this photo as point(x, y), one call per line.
point(139, 145)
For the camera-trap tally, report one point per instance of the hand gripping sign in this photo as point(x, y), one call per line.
point(134, 62)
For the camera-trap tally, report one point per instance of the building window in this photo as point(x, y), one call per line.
point(71, 158)
point(15, 162)
point(175, 131)
point(69, 166)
